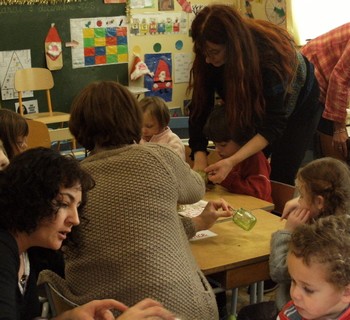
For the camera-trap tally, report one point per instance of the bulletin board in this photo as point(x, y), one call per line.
point(26, 26)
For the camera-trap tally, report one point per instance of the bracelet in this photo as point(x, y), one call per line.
point(341, 130)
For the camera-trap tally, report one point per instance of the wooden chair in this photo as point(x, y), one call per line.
point(40, 135)
point(38, 79)
point(57, 302)
point(281, 193)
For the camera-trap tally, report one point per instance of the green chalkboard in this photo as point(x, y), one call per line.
point(26, 27)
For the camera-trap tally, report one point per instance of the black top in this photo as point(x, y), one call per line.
point(278, 107)
point(14, 306)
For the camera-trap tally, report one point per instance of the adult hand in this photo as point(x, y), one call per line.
point(94, 310)
point(297, 217)
point(339, 141)
point(289, 207)
point(100, 310)
point(147, 309)
point(212, 211)
point(218, 171)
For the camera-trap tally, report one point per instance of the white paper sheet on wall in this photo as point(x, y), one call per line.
point(183, 64)
point(10, 62)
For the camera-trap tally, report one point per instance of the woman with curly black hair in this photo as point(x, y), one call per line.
point(42, 194)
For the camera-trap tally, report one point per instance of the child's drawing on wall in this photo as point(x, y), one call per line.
point(165, 5)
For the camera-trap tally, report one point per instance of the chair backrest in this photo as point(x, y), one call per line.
point(281, 193)
point(38, 134)
point(58, 303)
point(32, 79)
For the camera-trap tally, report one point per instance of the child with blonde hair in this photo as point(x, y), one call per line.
point(156, 117)
point(319, 265)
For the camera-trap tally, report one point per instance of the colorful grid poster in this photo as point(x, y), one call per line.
point(98, 41)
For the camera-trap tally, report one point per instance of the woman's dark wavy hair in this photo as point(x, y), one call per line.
point(105, 114)
point(251, 46)
point(31, 182)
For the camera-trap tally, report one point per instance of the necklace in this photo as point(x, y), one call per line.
point(23, 278)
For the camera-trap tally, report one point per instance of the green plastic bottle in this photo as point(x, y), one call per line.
point(243, 218)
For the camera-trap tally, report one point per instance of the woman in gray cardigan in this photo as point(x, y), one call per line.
point(135, 244)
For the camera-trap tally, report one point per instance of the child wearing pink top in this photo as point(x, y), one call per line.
point(156, 117)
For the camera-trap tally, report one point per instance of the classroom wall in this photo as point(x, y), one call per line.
point(26, 27)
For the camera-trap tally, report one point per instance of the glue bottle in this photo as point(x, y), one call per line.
point(243, 218)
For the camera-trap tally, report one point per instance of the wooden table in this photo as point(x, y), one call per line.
point(237, 200)
point(235, 257)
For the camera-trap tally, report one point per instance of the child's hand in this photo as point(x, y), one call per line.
point(290, 206)
point(297, 217)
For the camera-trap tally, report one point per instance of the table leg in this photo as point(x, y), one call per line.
point(234, 298)
point(252, 289)
point(260, 293)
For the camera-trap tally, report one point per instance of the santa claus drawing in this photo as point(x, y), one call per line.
point(162, 78)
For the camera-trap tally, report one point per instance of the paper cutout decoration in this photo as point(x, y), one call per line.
point(139, 69)
point(162, 77)
point(53, 49)
point(185, 5)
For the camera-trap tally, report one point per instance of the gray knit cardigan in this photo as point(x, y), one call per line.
point(135, 244)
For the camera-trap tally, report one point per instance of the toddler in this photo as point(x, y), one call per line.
point(156, 117)
point(250, 176)
point(319, 265)
point(323, 185)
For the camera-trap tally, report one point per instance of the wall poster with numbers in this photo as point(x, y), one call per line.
point(98, 41)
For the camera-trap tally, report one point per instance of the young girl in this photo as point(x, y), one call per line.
point(156, 117)
point(323, 185)
point(319, 265)
point(324, 190)
point(13, 132)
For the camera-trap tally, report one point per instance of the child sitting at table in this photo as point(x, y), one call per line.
point(156, 117)
point(250, 176)
point(319, 265)
point(323, 185)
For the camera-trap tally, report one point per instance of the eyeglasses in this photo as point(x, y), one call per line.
point(212, 53)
